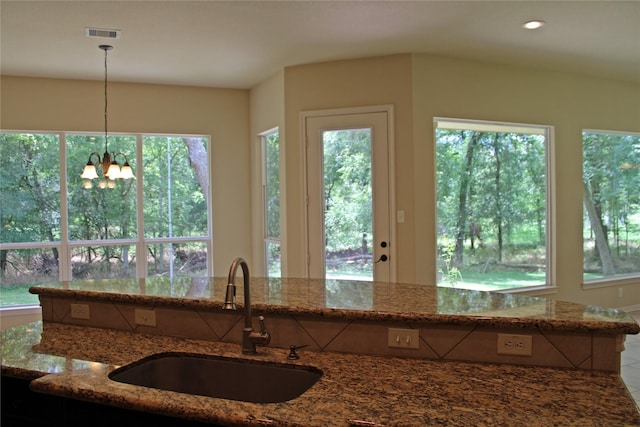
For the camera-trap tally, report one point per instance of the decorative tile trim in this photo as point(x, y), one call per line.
point(578, 350)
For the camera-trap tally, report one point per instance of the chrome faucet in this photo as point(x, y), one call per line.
point(249, 338)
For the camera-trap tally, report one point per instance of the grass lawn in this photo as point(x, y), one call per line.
point(497, 280)
point(494, 281)
point(17, 295)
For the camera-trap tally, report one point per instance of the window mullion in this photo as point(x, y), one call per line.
point(141, 267)
point(64, 255)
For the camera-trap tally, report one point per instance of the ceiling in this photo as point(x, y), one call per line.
point(238, 44)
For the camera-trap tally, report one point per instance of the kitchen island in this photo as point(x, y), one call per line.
point(455, 377)
point(354, 317)
point(355, 390)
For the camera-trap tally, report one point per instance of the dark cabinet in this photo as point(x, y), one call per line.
point(22, 407)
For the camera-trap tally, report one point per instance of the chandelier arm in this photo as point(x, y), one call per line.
point(120, 154)
point(95, 153)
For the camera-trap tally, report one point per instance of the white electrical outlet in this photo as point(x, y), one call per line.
point(144, 317)
point(515, 345)
point(80, 311)
point(404, 338)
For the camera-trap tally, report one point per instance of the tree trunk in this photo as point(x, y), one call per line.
point(598, 230)
point(3, 262)
point(198, 160)
point(465, 182)
point(498, 219)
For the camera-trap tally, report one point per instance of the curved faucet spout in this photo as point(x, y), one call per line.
point(230, 297)
point(249, 337)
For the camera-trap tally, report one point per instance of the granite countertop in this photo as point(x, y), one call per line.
point(354, 390)
point(357, 301)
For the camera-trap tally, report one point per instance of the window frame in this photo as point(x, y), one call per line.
point(548, 131)
point(616, 280)
point(64, 245)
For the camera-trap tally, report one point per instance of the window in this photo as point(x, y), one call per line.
point(155, 225)
point(611, 195)
point(271, 202)
point(492, 204)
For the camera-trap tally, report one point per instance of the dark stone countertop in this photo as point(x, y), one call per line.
point(356, 300)
point(355, 390)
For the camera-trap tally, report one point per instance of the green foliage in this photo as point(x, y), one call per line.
point(100, 213)
point(272, 184)
point(611, 170)
point(447, 269)
point(491, 189)
point(347, 188)
point(175, 205)
point(518, 199)
point(29, 185)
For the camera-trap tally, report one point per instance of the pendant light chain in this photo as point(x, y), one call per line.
point(106, 145)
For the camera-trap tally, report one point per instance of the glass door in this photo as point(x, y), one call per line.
point(348, 207)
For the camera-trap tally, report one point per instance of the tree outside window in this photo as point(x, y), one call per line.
point(98, 235)
point(271, 202)
point(611, 195)
point(492, 205)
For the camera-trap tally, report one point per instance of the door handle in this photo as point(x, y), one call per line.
point(383, 258)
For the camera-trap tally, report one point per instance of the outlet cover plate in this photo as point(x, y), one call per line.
point(404, 338)
point(145, 317)
point(515, 345)
point(80, 311)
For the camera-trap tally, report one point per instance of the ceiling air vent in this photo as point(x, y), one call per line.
point(101, 32)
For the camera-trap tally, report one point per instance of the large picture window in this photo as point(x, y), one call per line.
point(492, 204)
point(611, 195)
point(56, 226)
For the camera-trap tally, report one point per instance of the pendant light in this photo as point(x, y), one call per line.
point(110, 167)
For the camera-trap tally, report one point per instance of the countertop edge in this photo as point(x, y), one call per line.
point(357, 315)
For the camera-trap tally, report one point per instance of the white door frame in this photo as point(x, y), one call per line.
point(389, 110)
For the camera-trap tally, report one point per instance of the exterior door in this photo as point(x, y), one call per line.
point(348, 195)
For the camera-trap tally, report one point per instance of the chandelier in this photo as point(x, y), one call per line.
point(109, 165)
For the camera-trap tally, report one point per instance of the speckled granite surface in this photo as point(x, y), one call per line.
point(357, 301)
point(354, 390)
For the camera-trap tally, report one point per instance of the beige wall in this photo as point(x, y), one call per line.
point(419, 86)
point(73, 105)
point(340, 84)
point(422, 87)
point(472, 90)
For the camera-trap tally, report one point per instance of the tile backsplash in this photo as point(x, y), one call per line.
point(577, 350)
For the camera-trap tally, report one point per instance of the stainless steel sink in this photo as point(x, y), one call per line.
point(222, 377)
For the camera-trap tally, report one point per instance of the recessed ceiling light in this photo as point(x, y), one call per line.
point(533, 24)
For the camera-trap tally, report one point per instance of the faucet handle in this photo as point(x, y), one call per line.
point(250, 338)
point(263, 329)
point(292, 351)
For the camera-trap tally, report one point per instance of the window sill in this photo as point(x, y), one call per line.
point(11, 316)
point(611, 282)
point(532, 290)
